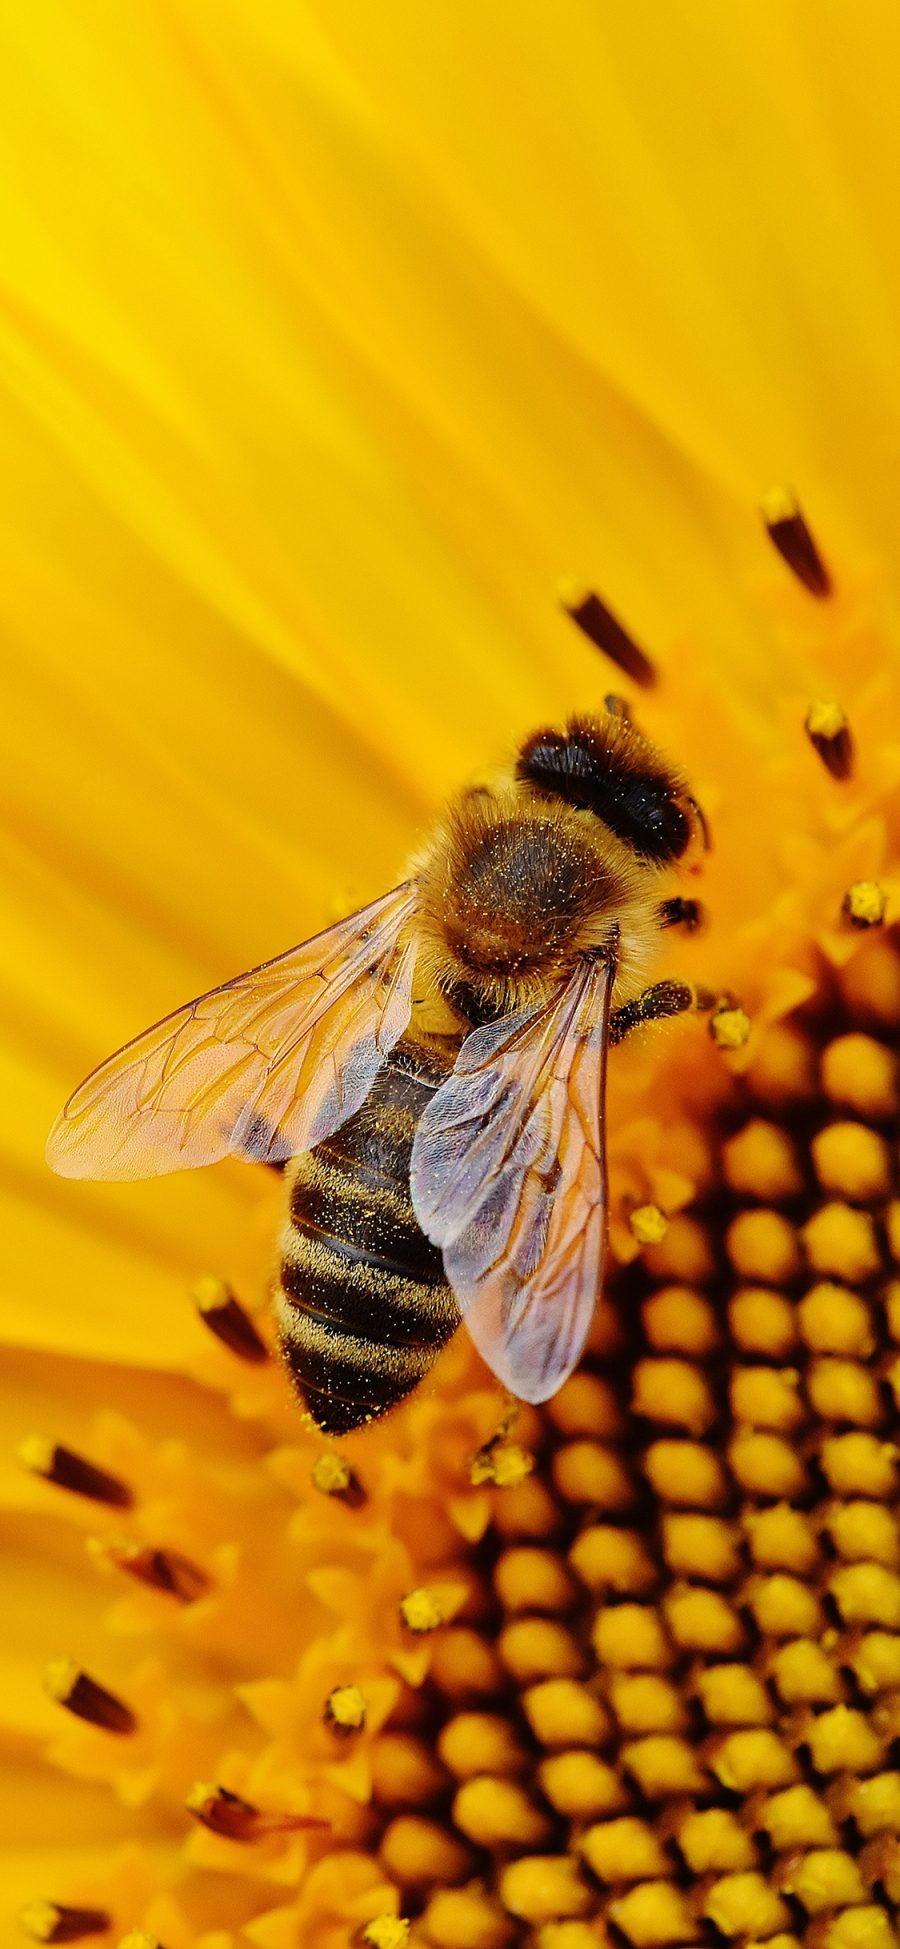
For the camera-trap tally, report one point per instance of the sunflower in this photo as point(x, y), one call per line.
point(378, 383)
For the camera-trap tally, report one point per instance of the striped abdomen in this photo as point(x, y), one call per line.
point(363, 1306)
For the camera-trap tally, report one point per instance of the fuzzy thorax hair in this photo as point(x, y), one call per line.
point(513, 888)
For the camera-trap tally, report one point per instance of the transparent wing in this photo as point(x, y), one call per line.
point(508, 1179)
point(265, 1066)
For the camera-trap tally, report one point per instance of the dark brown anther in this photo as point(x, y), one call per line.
point(830, 735)
point(789, 533)
point(679, 912)
point(71, 1687)
point(62, 1466)
point(604, 630)
point(333, 1476)
point(165, 1570)
point(53, 1922)
point(235, 1819)
point(228, 1320)
point(617, 706)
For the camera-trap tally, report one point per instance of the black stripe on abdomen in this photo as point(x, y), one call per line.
point(363, 1306)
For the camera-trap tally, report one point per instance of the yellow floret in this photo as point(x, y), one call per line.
point(499, 1813)
point(762, 1321)
point(744, 1761)
point(761, 1161)
point(534, 1579)
point(624, 1850)
point(844, 1390)
point(613, 1559)
point(766, 1465)
point(843, 1739)
point(852, 1159)
point(673, 1391)
point(416, 1852)
point(713, 1841)
point(733, 1695)
point(480, 1742)
point(463, 1918)
point(804, 1674)
point(630, 1637)
point(861, 1530)
point(543, 1888)
point(841, 1241)
point(781, 1538)
point(823, 1878)
point(702, 1620)
point(581, 1786)
point(686, 1472)
point(538, 1647)
point(862, 1073)
point(664, 1766)
point(645, 1702)
point(561, 1712)
point(798, 1818)
point(767, 1397)
point(858, 1464)
point(784, 1607)
point(653, 1916)
point(588, 1471)
point(833, 1320)
point(700, 1546)
point(679, 1320)
point(745, 1904)
point(763, 1245)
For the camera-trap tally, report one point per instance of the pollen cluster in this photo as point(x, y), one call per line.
point(625, 1670)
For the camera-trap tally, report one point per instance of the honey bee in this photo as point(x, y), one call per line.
point(430, 1072)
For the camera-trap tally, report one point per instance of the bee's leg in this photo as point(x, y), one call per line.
point(664, 998)
point(679, 912)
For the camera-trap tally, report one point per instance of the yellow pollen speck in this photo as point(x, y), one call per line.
point(421, 1610)
point(387, 1932)
point(40, 1920)
point(36, 1453)
point(209, 1293)
point(648, 1224)
point(346, 1708)
point(730, 1028)
point(865, 903)
point(60, 1676)
point(504, 1463)
point(331, 1474)
point(825, 718)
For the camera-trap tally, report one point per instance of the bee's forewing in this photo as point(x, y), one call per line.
point(508, 1178)
point(267, 1065)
